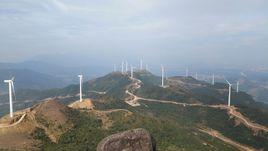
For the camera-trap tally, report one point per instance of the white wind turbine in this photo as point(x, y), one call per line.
point(187, 72)
point(237, 86)
point(230, 91)
point(132, 70)
point(126, 66)
point(115, 68)
point(11, 91)
point(141, 64)
point(162, 70)
point(81, 85)
point(122, 67)
point(213, 79)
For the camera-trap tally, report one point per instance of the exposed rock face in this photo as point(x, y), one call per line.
point(132, 140)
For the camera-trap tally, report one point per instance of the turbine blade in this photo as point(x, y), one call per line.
point(13, 78)
point(228, 82)
point(13, 89)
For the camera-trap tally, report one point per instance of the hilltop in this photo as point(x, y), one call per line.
point(49, 119)
point(188, 89)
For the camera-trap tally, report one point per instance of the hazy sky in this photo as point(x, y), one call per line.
point(189, 31)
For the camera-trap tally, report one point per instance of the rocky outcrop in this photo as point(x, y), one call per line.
point(131, 140)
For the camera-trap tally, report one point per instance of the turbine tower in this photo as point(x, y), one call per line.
point(126, 66)
point(187, 72)
point(213, 79)
point(132, 70)
point(230, 91)
point(122, 67)
point(141, 64)
point(237, 87)
point(162, 70)
point(81, 83)
point(115, 68)
point(11, 91)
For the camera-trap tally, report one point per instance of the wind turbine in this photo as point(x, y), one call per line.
point(132, 69)
point(237, 86)
point(122, 67)
point(213, 79)
point(162, 70)
point(81, 84)
point(11, 91)
point(146, 67)
point(187, 72)
point(115, 68)
point(126, 66)
point(230, 91)
point(140, 64)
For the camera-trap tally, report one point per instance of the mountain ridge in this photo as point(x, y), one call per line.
point(157, 117)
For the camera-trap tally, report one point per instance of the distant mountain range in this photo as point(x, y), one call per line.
point(29, 79)
point(41, 75)
point(44, 75)
point(56, 70)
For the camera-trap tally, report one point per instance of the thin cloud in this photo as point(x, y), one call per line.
point(170, 28)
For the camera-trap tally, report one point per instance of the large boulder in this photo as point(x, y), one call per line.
point(131, 140)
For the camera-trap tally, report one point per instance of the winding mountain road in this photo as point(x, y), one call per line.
point(133, 100)
point(14, 124)
point(254, 126)
point(218, 135)
point(232, 111)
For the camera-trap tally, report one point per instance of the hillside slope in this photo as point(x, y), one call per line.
point(188, 89)
point(41, 130)
point(48, 120)
point(175, 125)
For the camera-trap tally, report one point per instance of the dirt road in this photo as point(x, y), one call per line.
point(218, 135)
point(98, 92)
point(232, 111)
point(14, 124)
